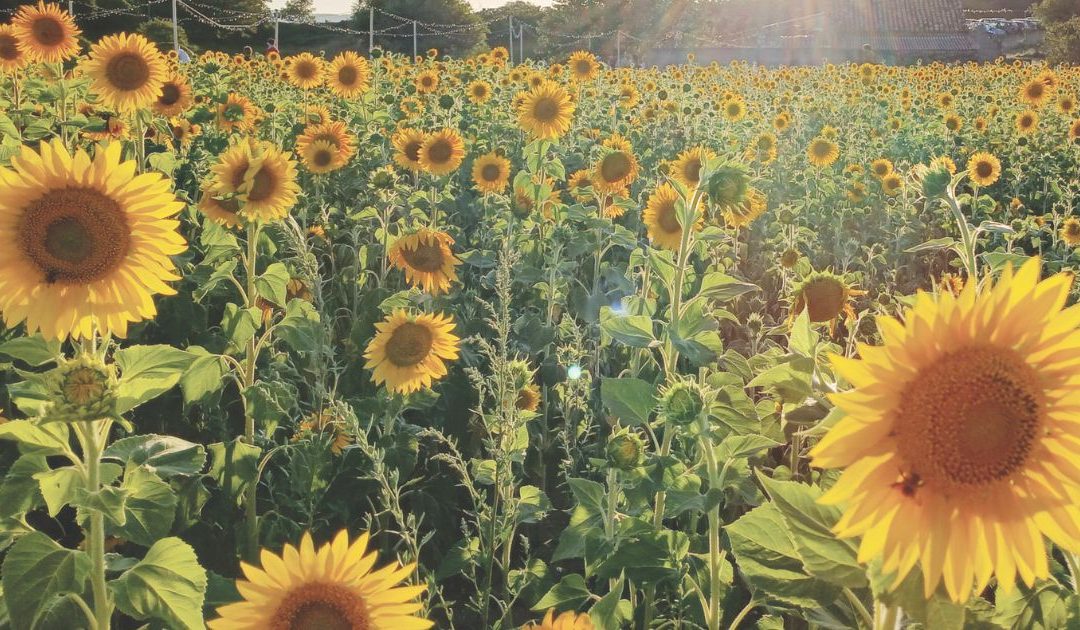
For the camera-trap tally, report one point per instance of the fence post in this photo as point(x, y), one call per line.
point(510, 20)
point(521, 43)
point(277, 25)
point(618, 48)
point(175, 30)
point(414, 49)
point(371, 30)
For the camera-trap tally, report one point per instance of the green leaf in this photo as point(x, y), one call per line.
point(271, 285)
point(20, 492)
point(222, 273)
point(810, 523)
point(721, 287)
point(936, 243)
point(589, 494)
point(299, 328)
point(45, 440)
point(769, 562)
point(739, 446)
point(790, 379)
point(109, 501)
point(167, 585)
point(569, 593)
point(532, 504)
point(150, 508)
point(34, 351)
point(59, 487)
point(1041, 607)
point(632, 400)
point(163, 454)
point(646, 556)
point(147, 372)
point(234, 465)
point(633, 330)
point(239, 325)
point(611, 612)
point(35, 572)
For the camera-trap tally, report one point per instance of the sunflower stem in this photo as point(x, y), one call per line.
point(886, 617)
point(251, 514)
point(96, 534)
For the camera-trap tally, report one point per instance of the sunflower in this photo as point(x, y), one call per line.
point(306, 71)
point(528, 398)
point(984, 168)
point(427, 82)
point(1027, 122)
point(91, 241)
point(892, 184)
point(1035, 91)
point(687, 167)
point(825, 297)
point(224, 210)
point(953, 123)
point(237, 113)
point(442, 152)
point(1074, 130)
point(407, 144)
point(661, 219)
point(491, 172)
point(583, 66)
point(479, 91)
point(181, 132)
point(960, 438)
point(546, 111)
point(822, 152)
point(329, 587)
point(628, 95)
point(763, 148)
point(881, 167)
point(113, 128)
point(45, 33)
point(1066, 104)
point(1070, 231)
point(127, 71)
point(408, 352)
point(175, 97)
point(325, 423)
point(427, 259)
point(569, 620)
point(261, 176)
point(349, 74)
point(315, 114)
point(746, 211)
point(734, 109)
point(337, 146)
point(617, 167)
point(11, 56)
point(577, 183)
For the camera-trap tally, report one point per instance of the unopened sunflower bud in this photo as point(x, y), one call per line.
point(81, 389)
point(728, 185)
point(625, 451)
point(682, 403)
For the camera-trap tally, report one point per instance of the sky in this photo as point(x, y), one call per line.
point(345, 6)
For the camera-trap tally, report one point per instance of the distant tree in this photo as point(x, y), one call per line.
point(465, 36)
point(227, 12)
point(524, 13)
point(160, 31)
point(1057, 11)
point(1063, 42)
point(298, 11)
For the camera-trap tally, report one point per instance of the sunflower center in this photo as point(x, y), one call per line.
point(305, 70)
point(984, 169)
point(440, 152)
point(971, 418)
point(74, 235)
point(170, 94)
point(1072, 229)
point(821, 149)
point(490, 172)
point(409, 344)
point(666, 219)
point(546, 109)
point(322, 157)
point(426, 257)
point(47, 31)
point(322, 607)
point(347, 75)
point(412, 150)
point(583, 67)
point(127, 71)
point(692, 170)
point(83, 386)
point(8, 49)
point(824, 298)
point(615, 166)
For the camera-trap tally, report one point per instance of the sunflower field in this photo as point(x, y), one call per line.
point(381, 343)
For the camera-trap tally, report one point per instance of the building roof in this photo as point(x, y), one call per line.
point(896, 25)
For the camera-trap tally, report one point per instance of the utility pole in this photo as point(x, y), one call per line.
point(277, 23)
point(175, 30)
point(521, 43)
point(618, 48)
point(510, 18)
point(414, 49)
point(371, 29)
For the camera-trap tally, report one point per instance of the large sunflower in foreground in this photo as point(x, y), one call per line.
point(661, 220)
point(89, 241)
point(407, 144)
point(960, 440)
point(427, 259)
point(409, 352)
point(491, 172)
point(262, 177)
point(175, 97)
point(329, 587)
point(349, 74)
point(546, 111)
point(568, 620)
point(46, 33)
point(442, 152)
point(127, 71)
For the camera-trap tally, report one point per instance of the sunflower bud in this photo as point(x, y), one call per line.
point(625, 451)
point(934, 180)
point(789, 258)
point(81, 389)
point(728, 185)
point(682, 403)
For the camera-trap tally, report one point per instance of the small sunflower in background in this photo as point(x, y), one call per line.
point(959, 441)
point(11, 56)
point(325, 423)
point(407, 143)
point(881, 167)
point(491, 173)
point(348, 74)
point(661, 221)
point(745, 212)
point(335, 146)
point(409, 352)
point(822, 152)
point(442, 152)
point(1035, 91)
point(479, 92)
point(1070, 231)
point(329, 587)
point(618, 166)
point(427, 82)
point(237, 113)
point(223, 210)
point(583, 66)
point(175, 97)
point(825, 297)
point(261, 175)
point(1027, 122)
point(1074, 131)
point(427, 258)
point(127, 72)
point(45, 33)
point(546, 112)
point(306, 71)
point(762, 148)
point(686, 168)
point(577, 183)
point(892, 184)
point(568, 620)
point(984, 168)
point(91, 241)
